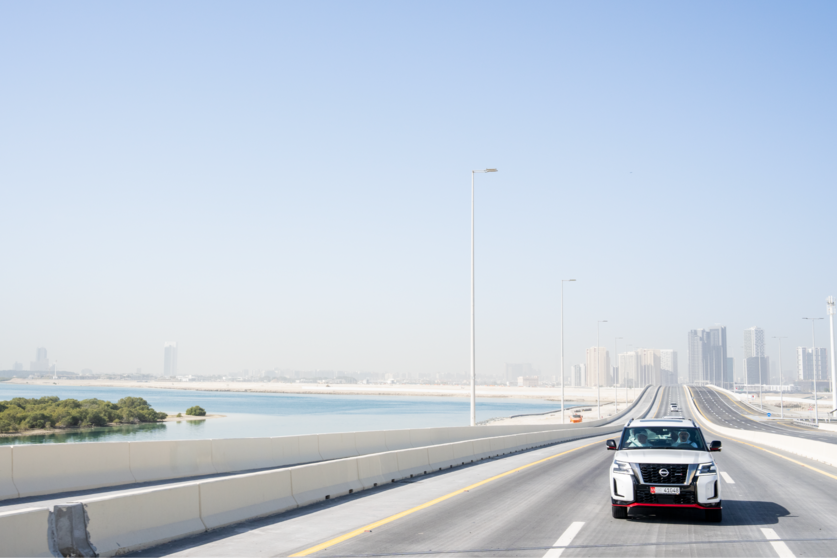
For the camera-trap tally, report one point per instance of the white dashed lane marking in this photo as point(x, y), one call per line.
point(780, 547)
point(565, 539)
point(727, 478)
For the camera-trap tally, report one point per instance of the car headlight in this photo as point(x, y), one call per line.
point(622, 467)
point(706, 469)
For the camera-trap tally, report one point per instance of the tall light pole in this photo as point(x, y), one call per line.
point(761, 404)
point(563, 413)
point(781, 378)
point(616, 389)
point(598, 377)
point(473, 338)
point(830, 308)
point(814, 366)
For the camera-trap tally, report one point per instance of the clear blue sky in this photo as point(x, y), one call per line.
point(286, 184)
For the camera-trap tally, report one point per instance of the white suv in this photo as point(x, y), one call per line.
point(664, 463)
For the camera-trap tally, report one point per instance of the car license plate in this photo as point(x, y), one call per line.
point(665, 490)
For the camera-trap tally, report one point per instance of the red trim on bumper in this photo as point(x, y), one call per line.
point(667, 506)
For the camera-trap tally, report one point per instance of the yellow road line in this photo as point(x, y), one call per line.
point(826, 473)
point(392, 518)
point(743, 408)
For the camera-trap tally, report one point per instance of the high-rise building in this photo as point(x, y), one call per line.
point(708, 356)
point(514, 371)
point(806, 364)
point(603, 366)
point(668, 367)
point(756, 363)
point(717, 357)
point(41, 362)
point(649, 367)
point(629, 367)
point(170, 358)
point(697, 343)
point(579, 375)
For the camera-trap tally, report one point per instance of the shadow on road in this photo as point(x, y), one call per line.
point(736, 512)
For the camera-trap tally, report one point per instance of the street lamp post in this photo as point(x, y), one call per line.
point(831, 309)
point(563, 413)
point(473, 338)
point(598, 377)
point(814, 366)
point(615, 388)
point(781, 379)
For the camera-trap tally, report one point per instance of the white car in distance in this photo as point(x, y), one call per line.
point(664, 463)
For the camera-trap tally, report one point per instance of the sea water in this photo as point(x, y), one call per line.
point(270, 414)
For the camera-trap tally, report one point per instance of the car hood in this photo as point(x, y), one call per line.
point(671, 456)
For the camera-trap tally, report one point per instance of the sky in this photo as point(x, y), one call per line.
point(287, 184)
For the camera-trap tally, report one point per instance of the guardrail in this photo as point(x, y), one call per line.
point(812, 449)
point(126, 522)
point(30, 470)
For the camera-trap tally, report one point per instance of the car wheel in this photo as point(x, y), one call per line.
point(713, 515)
point(619, 512)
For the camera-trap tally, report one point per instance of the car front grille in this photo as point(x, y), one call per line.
point(642, 495)
point(677, 474)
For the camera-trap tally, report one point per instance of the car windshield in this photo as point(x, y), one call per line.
point(662, 437)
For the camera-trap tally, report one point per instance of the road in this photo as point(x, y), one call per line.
point(723, 410)
point(522, 505)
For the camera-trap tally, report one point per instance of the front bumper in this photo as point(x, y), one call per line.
point(703, 492)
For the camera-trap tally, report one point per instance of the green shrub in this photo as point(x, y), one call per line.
point(20, 414)
point(196, 411)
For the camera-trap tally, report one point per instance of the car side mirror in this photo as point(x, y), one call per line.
point(715, 446)
point(611, 444)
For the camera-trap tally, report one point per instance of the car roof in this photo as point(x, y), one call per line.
point(673, 422)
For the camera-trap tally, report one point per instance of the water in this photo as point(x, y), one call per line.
point(266, 414)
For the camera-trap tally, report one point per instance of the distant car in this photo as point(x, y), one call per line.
point(664, 462)
point(674, 407)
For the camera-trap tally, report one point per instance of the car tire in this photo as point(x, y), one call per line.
point(713, 516)
point(619, 512)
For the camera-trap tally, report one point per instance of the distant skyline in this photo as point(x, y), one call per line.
point(276, 185)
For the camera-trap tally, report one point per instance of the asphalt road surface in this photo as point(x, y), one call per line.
point(552, 502)
point(725, 411)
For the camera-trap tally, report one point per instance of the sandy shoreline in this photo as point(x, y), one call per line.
point(43, 431)
point(571, 394)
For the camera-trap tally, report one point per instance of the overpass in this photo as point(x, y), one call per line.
point(545, 495)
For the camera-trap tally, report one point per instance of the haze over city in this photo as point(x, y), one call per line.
point(288, 185)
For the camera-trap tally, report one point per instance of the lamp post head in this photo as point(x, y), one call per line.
point(490, 170)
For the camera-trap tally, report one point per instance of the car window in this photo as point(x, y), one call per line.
point(662, 437)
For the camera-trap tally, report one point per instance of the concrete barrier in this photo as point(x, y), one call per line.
point(389, 466)
point(812, 449)
point(482, 448)
point(398, 439)
point(137, 520)
point(370, 470)
point(322, 481)
point(309, 448)
point(412, 462)
point(51, 468)
point(442, 456)
point(421, 437)
point(242, 454)
point(170, 459)
point(499, 445)
point(338, 445)
point(463, 452)
point(371, 442)
point(25, 532)
point(242, 497)
point(7, 483)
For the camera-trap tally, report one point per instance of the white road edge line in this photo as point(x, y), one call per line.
point(565, 539)
point(779, 546)
point(727, 478)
